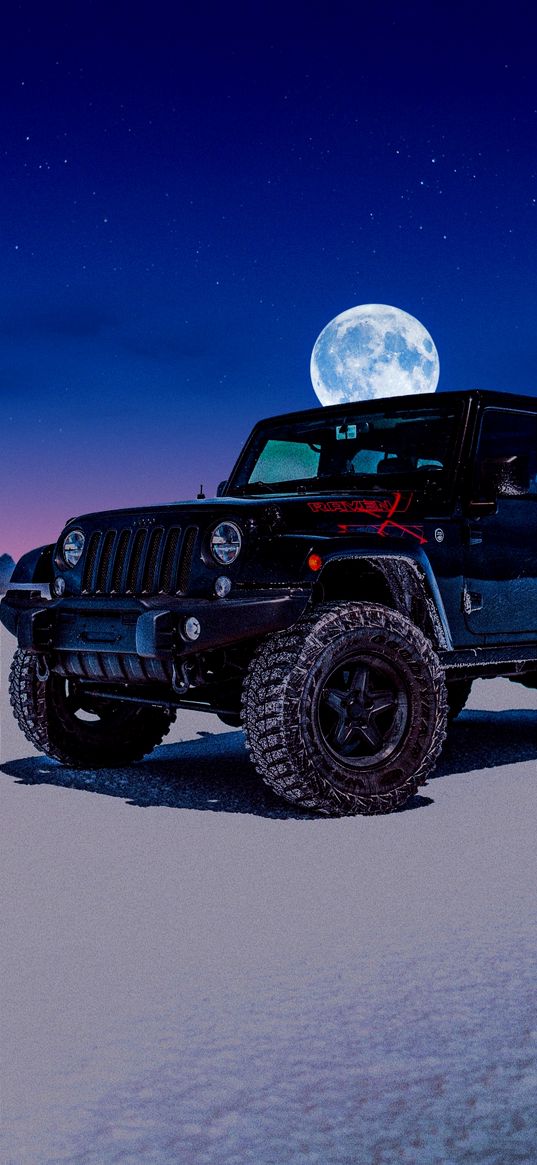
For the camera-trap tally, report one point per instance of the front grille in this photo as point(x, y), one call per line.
point(139, 562)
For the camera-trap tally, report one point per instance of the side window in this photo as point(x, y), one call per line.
point(506, 461)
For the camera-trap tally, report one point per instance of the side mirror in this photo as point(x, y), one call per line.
point(498, 477)
point(221, 489)
point(504, 477)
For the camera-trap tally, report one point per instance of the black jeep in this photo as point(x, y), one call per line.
point(360, 567)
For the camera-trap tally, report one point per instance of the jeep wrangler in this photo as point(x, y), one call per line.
point(363, 564)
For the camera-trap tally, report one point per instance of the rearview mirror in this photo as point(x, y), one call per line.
point(221, 489)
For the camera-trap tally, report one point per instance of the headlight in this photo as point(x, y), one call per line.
point(225, 542)
point(73, 546)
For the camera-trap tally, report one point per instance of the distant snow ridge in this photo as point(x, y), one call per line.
point(7, 567)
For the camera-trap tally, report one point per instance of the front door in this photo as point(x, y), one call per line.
point(500, 592)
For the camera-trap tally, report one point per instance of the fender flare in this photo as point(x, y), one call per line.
point(35, 566)
point(33, 572)
point(405, 575)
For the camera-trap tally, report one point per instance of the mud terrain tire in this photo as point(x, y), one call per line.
point(50, 713)
point(346, 712)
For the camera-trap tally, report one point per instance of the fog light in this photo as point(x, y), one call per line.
point(222, 586)
point(58, 586)
point(192, 628)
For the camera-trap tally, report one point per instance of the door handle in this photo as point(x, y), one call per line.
point(471, 601)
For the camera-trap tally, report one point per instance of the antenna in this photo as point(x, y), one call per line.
point(201, 494)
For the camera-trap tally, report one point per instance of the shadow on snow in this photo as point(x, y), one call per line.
point(213, 772)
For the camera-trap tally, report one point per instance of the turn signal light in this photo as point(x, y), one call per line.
point(315, 562)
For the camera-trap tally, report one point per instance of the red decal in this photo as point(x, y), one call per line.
point(375, 507)
point(395, 529)
point(414, 531)
point(384, 508)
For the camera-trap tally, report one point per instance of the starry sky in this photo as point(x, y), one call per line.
point(184, 206)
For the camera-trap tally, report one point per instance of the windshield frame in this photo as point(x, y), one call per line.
point(444, 480)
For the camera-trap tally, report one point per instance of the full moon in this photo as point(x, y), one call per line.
point(373, 351)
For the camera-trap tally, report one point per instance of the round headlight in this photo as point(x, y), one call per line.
point(73, 546)
point(226, 542)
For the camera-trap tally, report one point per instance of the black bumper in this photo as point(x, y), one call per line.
point(131, 627)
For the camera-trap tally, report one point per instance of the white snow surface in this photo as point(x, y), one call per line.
point(194, 973)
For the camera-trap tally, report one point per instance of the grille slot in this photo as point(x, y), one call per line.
point(139, 562)
point(136, 559)
point(120, 560)
point(105, 561)
point(150, 568)
point(91, 559)
point(187, 553)
point(167, 573)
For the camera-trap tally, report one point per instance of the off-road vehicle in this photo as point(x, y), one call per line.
point(360, 567)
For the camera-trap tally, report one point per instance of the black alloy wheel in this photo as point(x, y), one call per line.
point(362, 711)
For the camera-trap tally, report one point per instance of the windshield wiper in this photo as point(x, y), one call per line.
point(252, 486)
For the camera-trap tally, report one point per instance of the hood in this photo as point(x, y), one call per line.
point(297, 512)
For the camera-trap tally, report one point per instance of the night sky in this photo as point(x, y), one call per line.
point(184, 208)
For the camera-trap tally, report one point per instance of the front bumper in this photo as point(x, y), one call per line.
point(151, 630)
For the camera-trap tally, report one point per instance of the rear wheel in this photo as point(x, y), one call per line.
point(346, 713)
point(83, 732)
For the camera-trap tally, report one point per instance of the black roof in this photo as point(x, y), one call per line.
point(411, 401)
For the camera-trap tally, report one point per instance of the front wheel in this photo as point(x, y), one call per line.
point(83, 732)
point(346, 712)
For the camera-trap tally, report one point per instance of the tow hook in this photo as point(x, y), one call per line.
point(42, 670)
point(180, 683)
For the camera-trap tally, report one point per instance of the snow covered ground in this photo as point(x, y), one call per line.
point(194, 973)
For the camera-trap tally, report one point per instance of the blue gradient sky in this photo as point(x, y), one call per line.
point(182, 213)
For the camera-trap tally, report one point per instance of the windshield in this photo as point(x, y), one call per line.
point(324, 452)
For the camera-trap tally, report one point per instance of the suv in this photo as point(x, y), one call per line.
point(360, 567)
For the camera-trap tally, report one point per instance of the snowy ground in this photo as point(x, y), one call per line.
point(194, 973)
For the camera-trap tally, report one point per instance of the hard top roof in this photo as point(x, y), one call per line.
point(409, 401)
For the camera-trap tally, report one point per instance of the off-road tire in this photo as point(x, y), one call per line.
point(46, 714)
point(284, 691)
point(457, 695)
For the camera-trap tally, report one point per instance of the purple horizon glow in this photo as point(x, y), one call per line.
point(138, 471)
